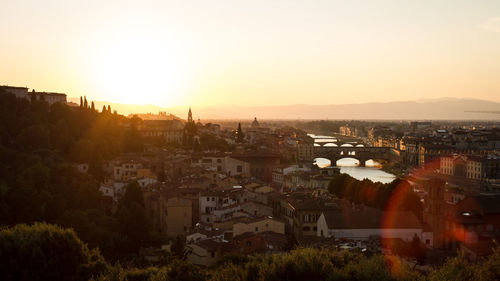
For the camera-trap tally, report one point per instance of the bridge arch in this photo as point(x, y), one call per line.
point(322, 162)
point(330, 144)
point(348, 162)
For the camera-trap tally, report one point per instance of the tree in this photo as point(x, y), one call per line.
point(104, 109)
point(85, 103)
point(95, 166)
point(177, 247)
point(92, 106)
point(456, 268)
point(239, 134)
point(132, 219)
point(46, 252)
point(81, 102)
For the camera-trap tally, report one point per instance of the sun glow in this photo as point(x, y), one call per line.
point(140, 69)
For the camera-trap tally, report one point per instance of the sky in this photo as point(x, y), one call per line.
point(206, 53)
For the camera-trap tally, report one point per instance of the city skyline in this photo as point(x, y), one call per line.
point(253, 54)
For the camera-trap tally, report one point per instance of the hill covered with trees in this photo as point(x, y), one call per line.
point(39, 146)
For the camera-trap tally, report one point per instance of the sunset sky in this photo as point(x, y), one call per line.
point(173, 53)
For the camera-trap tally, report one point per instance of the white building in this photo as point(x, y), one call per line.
point(361, 224)
point(19, 92)
point(224, 164)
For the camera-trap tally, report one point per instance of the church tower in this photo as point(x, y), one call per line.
point(190, 115)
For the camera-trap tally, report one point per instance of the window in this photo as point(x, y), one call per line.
point(212, 254)
point(306, 228)
point(239, 168)
point(256, 229)
point(213, 198)
point(208, 199)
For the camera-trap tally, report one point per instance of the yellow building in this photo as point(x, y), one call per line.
point(178, 216)
point(305, 149)
point(263, 224)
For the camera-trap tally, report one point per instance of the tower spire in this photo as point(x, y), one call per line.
point(190, 115)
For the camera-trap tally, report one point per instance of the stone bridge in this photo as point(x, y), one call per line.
point(338, 143)
point(362, 154)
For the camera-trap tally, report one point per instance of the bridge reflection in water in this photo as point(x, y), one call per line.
point(350, 166)
point(353, 158)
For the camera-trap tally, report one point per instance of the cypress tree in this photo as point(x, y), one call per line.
point(239, 133)
point(92, 106)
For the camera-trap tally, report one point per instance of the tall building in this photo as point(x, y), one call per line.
point(434, 209)
point(190, 116)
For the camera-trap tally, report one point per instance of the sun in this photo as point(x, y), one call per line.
point(140, 69)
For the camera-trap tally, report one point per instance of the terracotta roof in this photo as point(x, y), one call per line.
point(369, 218)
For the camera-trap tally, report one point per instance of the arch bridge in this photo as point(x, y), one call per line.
point(338, 143)
point(362, 154)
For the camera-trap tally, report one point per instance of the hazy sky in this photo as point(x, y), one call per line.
point(252, 52)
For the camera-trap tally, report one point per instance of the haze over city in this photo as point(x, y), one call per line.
point(253, 53)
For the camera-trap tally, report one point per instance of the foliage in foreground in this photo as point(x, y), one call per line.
point(48, 252)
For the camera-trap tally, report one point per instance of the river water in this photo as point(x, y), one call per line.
point(371, 171)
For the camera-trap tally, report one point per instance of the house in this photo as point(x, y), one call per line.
point(107, 190)
point(201, 234)
point(473, 224)
point(249, 242)
point(19, 92)
point(50, 98)
point(223, 163)
point(257, 225)
point(82, 167)
point(170, 130)
point(206, 252)
point(127, 169)
point(304, 214)
point(146, 181)
point(471, 167)
point(261, 163)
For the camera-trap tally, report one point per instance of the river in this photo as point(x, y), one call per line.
point(371, 171)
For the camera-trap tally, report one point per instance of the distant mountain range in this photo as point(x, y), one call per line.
point(428, 109)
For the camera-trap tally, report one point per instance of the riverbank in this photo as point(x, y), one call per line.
point(394, 169)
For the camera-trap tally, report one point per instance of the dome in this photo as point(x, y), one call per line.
point(255, 123)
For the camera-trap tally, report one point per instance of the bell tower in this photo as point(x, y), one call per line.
point(190, 115)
